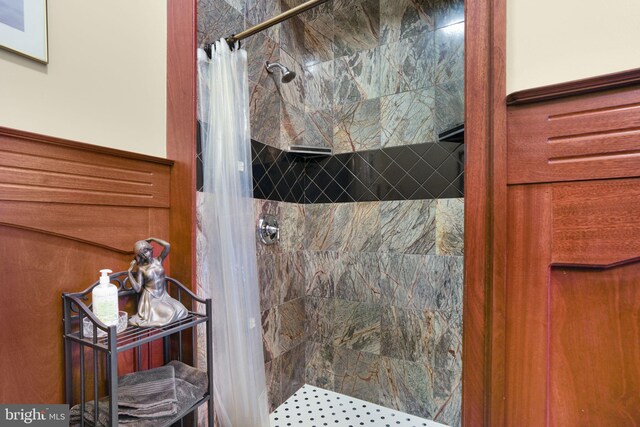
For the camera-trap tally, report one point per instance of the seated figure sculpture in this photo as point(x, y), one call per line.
point(146, 273)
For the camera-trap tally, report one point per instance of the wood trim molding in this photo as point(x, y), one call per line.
point(593, 136)
point(36, 168)
point(575, 87)
point(16, 134)
point(181, 136)
point(485, 211)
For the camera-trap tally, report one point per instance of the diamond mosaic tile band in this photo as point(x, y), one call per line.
point(411, 172)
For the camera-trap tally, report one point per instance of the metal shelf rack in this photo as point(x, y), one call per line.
point(104, 345)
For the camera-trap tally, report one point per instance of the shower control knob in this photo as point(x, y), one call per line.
point(268, 229)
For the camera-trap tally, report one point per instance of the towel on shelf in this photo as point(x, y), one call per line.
point(150, 398)
point(144, 392)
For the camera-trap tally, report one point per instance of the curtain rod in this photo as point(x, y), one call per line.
point(232, 39)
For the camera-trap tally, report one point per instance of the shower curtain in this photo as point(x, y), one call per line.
point(227, 224)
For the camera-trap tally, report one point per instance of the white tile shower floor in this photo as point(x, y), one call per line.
point(315, 407)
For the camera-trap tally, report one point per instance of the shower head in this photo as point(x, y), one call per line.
point(287, 74)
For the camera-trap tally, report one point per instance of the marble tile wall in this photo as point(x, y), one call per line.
point(379, 72)
point(282, 280)
point(371, 73)
point(384, 303)
point(363, 298)
point(368, 297)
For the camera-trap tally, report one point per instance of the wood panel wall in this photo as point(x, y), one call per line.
point(67, 210)
point(572, 289)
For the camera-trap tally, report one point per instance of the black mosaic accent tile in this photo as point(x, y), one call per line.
point(422, 171)
point(412, 172)
point(277, 175)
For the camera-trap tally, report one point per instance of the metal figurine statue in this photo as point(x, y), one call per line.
point(146, 273)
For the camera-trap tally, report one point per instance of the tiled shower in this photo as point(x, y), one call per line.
point(363, 293)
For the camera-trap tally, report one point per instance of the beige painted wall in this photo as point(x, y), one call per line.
point(554, 41)
point(105, 83)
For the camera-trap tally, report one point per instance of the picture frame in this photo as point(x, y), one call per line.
point(23, 28)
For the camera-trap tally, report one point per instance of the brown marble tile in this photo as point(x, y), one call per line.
point(319, 319)
point(292, 126)
point(447, 367)
point(292, 38)
point(450, 227)
point(322, 269)
point(449, 105)
point(318, 40)
point(258, 11)
point(264, 110)
point(269, 289)
point(420, 282)
point(260, 49)
point(357, 226)
point(216, 19)
point(291, 316)
point(357, 77)
point(318, 131)
point(449, 42)
point(356, 126)
point(272, 373)
point(291, 220)
point(319, 81)
point(400, 19)
point(449, 12)
point(357, 374)
point(408, 64)
point(270, 334)
point(351, 227)
point(292, 371)
point(408, 334)
point(357, 326)
point(239, 5)
point(358, 277)
point(283, 328)
point(318, 226)
point(357, 26)
point(292, 92)
point(319, 365)
point(407, 386)
point(408, 118)
point(408, 226)
point(289, 276)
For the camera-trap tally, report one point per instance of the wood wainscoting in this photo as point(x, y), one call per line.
point(67, 210)
point(572, 279)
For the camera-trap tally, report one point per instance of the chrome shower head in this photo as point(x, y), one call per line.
point(287, 74)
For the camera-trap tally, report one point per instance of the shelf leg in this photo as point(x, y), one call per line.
point(113, 377)
point(210, 360)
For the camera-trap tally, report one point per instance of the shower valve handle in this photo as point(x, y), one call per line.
point(268, 229)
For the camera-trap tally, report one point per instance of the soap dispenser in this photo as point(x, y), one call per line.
point(105, 300)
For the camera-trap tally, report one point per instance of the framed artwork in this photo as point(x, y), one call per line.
point(23, 28)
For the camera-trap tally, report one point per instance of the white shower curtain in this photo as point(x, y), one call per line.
point(227, 224)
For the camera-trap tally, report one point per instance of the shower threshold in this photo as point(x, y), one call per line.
point(316, 407)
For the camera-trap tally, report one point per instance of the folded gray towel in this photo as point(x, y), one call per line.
point(189, 385)
point(190, 374)
point(154, 388)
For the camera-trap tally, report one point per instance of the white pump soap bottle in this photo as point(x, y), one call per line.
point(105, 300)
